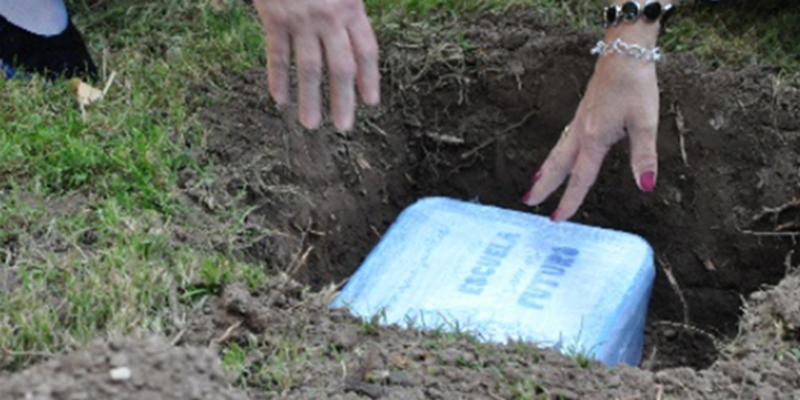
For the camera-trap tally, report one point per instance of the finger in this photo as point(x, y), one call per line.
point(555, 168)
point(342, 74)
point(309, 70)
point(583, 177)
point(278, 64)
point(367, 53)
point(644, 156)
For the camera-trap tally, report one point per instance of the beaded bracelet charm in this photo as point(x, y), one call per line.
point(631, 11)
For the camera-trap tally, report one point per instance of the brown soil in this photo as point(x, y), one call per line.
point(156, 370)
point(304, 350)
point(341, 357)
point(474, 122)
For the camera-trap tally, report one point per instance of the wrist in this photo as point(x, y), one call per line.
point(642, 34)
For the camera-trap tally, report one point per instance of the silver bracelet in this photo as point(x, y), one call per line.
point(630, 50)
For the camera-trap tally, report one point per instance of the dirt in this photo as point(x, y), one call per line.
point(470, 112)
point(305, 350)
point(341, 357)
point(143, 369)
point(475, 121)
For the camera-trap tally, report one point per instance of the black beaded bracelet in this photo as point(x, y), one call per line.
point(651, 12)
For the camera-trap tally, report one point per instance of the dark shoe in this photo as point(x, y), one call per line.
point(62, 55)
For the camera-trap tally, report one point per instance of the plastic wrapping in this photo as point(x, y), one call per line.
point(502, 274)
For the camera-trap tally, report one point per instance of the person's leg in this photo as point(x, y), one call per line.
point(38, 36)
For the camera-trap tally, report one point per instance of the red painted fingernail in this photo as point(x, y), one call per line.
point(527, 197)
point(536, 177)
point(647, 181)
point(554, 216)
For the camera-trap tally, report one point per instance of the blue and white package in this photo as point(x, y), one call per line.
point(503, 274)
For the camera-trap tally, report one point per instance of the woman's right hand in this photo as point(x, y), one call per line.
point(335, 30)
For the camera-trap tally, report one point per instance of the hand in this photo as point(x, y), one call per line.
point(622, 99)
point(342, 30)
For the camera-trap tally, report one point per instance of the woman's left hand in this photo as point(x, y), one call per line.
point(622, 99)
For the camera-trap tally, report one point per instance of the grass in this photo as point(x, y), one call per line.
point(278, 368)
point(529, 389)
point(88, 207)
point(742, 32)
point(283, 368)
point(735, 32)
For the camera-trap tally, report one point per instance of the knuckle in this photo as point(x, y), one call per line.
point(278, 68)
point(594, 153)
point(323, 13)
point(580, 181)
point(277, 58)
point(556, 163)
point(279, 17)
point(594, 137)
point(344, 69)
point(646, 126)
point(645, 160)
point(309, 71)
point(594, 146)
point(649, 128)
point(591, 143)
point(369, 53)
point(333, 10)
point(347, 5)
point(330, 17)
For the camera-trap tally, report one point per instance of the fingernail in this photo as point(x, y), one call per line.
point(536, 177)
point(647, 181)
point(310, 122)
point(374, 99)
point(345, 125)
point(527, 197)
point(554, 216)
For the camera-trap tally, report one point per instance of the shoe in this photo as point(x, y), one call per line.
point(63, 55)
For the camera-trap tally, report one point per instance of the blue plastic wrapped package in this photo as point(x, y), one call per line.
point(502, 274)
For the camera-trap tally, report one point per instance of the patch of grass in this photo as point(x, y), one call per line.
point(234, 360)
point(133, 143)
point(583, 360)
point(470, 364)
point(275, 362)
point(425, 7)
point(733, 32)
point(741, 32)
point(373, 324)
point(69, 278)
point(529, 352)
point(793, 353)
point(579, 352)
point(528, 389)
point(87, 206)
point(284, 366)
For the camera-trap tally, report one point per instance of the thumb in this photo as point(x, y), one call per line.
point(644, 157)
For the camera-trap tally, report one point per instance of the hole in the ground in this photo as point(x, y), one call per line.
point(475, 122)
